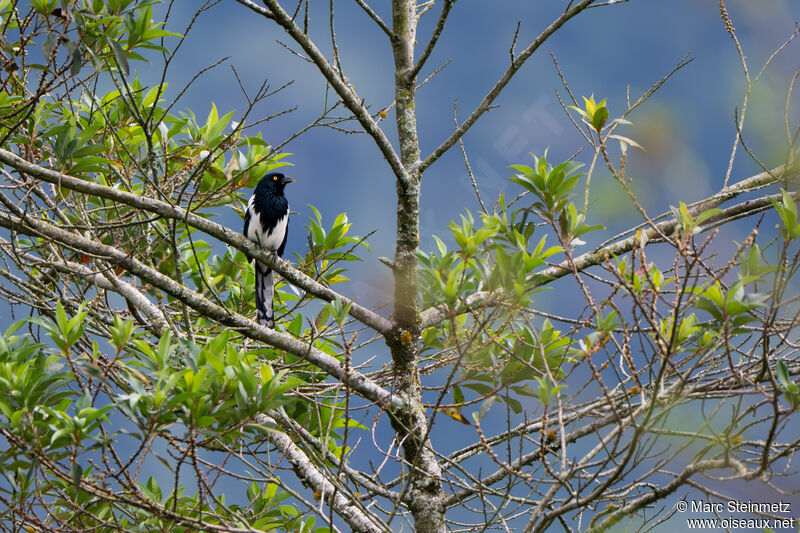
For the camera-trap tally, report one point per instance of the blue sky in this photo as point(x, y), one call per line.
point(687, 128)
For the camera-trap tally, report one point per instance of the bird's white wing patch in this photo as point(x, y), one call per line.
point(254, 230)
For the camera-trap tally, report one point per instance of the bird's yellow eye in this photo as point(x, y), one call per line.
point(274, 178)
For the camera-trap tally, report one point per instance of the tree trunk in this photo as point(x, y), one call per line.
point(410, 422)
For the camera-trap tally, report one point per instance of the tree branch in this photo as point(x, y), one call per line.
point(357, 476)
point(502, 82)
point(358, 382)
point(446, 7)
point(311, 476)
point(264, 12)
point(659, 493)
point(133, 498)
point(226, 235)
point(107, 281)
point(374, 16)
point(434, 315)
point(345, 91)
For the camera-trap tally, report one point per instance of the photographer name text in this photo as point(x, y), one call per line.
point(734, 506)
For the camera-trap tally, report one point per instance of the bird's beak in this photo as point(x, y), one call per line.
point(286, 180)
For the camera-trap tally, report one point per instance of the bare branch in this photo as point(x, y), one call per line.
point(106, 280)
point(375, 17)
point(226, 235)
point(446, 7)
point(308, 472)
point(344, 90)
point(435, 315)
point(264, 12)
point(29, 225)
point(498, 87)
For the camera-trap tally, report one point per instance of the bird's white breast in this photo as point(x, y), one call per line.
point(273, 240)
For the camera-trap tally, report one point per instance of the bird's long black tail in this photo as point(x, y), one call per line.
point(264, 290)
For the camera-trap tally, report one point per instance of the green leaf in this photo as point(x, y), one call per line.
point(77, 60)
point(440, 246)
point(76, 474)
point(49, 45)
point(515, 405)
point(63, 432)
point(626, 141)
point(458, 396)
point(782, 374)
point(485, 407)
point(705, 215)
point(599, 118)
point(6, 44)
point(322, 317)
point(120, 56)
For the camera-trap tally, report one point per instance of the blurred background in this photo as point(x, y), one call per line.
point(687, 128)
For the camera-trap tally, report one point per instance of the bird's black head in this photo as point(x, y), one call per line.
point(274, 182)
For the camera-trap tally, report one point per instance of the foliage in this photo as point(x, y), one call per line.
point(140, 395)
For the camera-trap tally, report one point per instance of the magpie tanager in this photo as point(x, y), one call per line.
point(266, 223)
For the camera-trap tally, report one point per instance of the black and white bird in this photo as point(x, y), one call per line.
point(266, 222)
